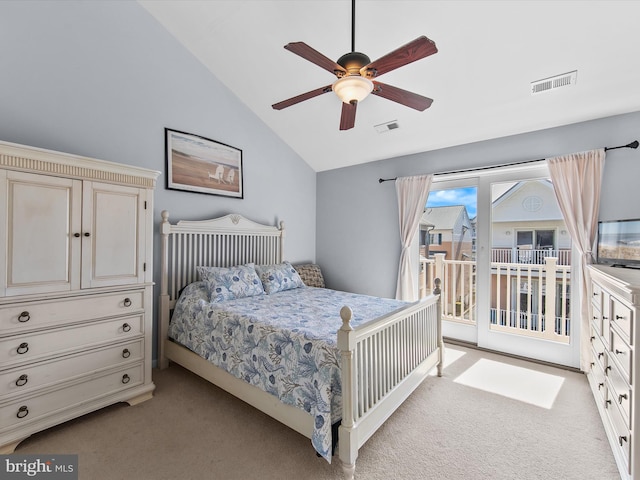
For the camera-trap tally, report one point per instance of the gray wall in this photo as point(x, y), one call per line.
point(358, 239)
point(103, 79)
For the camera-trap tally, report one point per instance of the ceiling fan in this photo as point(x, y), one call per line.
point(355, 72)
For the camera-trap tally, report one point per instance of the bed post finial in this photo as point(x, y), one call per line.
point(165, 215)
point(346, 314)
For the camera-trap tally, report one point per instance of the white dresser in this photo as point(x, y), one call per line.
point(615, 303)
point(76, 287)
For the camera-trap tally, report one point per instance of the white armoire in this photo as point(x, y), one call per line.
point(76, 287)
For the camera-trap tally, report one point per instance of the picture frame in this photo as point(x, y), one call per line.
point(201, 165)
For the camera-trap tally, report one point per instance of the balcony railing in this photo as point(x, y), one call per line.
point(533, 256)
point(523, 294)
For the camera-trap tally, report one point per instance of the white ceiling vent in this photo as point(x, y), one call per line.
point(385, 127)
point(552, 83)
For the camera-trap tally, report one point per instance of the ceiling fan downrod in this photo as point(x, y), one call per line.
point(353, 61)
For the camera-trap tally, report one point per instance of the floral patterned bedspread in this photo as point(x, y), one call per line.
point(283, 343)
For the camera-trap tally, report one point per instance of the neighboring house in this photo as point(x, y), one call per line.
point(527, 225)
point(446, 230)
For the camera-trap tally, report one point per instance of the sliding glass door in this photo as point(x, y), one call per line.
point(511, 287)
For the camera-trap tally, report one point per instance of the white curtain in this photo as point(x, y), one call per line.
point(577, 181)
point(412, 197)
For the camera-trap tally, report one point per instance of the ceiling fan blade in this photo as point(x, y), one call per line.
point(404, 97)
point(419, 48)
point(348, 117)
point(312, 55)
point(300, 98)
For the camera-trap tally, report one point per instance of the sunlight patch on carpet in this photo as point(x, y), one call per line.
point(450, 356)
point(523, 384)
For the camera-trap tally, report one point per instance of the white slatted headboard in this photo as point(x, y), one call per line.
point(220, 242)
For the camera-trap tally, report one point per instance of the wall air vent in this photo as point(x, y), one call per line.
point(385, 127)
point(552, 83)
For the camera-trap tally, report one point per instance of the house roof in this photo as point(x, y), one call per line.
point(445, 218)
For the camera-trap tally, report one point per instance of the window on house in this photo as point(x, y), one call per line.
point(435, 239)
point(536, 239)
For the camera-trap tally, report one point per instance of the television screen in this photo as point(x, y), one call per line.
point(619, 242)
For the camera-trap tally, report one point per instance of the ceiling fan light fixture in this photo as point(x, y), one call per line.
point(352, 88)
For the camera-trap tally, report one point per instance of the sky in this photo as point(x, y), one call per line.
point(455, 196)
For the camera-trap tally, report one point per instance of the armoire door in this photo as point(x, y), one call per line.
point(113, 223)
point(39, 215)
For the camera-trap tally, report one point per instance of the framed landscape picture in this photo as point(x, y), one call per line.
point(199, 164)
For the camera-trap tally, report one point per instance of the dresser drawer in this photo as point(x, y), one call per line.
point(622, 318)
point(620, 393)
point(26, 379)
point(27, 316)
point(622, 354)
point(599, 384)
point(23, 349)
point(622, 436)
point(28, 410)
point(596, 296)
point(599, 351)
point(596, 320)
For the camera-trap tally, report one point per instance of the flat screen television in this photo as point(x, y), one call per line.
point(619, 243)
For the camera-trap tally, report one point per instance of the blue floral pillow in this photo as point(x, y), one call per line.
point(280, 277)
point(228, 283)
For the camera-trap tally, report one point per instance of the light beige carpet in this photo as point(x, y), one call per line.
point(450, 428)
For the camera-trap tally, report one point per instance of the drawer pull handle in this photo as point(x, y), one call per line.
point(605, 318)
point(24, 317)
point(127, 302)
point(126, 378)
point(608, 368)
point(77, 235)
point(87, 234)
point(22, 380)
point(126, 327)
point(621, 397)
point(126, 353)
point(608, 402)
point(23, 348)
point(621, 439)
point(600, 354)
point(595, 294)
point(592, 339)
point(619, 317)
point(23, 411)
point(600, 385)
point(620, 352)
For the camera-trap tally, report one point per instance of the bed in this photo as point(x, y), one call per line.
point(362, 356)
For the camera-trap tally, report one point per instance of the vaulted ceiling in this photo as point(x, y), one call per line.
point(489, 52)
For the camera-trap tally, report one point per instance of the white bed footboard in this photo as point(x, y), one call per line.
point(382, 363)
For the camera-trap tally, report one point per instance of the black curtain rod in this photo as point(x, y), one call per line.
point(633, 144)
